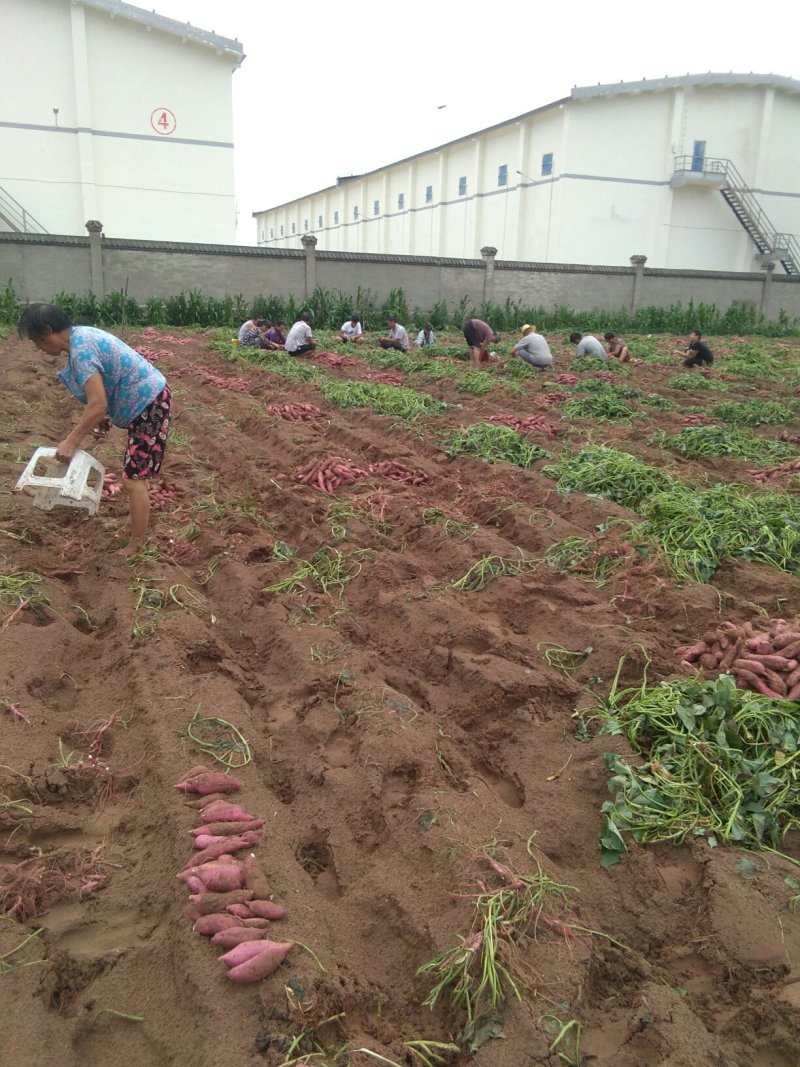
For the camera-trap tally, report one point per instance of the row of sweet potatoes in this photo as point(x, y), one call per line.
point(230, 898)
point(764, 657)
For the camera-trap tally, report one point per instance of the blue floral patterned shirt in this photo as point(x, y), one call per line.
point(131, 383)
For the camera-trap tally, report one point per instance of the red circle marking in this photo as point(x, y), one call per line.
point(163, 121)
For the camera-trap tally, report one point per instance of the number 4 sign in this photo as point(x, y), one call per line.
point(163, 121)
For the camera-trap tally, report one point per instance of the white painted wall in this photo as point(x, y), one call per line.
point(101, 157)
point(609, 195)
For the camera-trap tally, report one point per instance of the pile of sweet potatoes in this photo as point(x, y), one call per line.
point(230, 898)
point(764, 657)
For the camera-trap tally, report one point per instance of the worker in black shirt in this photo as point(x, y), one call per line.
point(697, 351)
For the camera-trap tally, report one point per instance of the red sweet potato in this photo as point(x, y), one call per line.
point(199, 769)
point(756, 683)
point(225, 813)
point(210, 782)
point(255, 924)
point(240, 911)
point(208, 925)
point(731, 653)
point(692, 652)
point(794, 692)
point(244, 952)
point(235, 935)
point(263, 964)
point(207, 903)
point(255, 879)
point(783, 640)
point(778, 663)
point(194, 885)
point(222, 879)
point(761, 645)
point(708, 661)
point(791, 680)
point(228, 844)
point(265, 909)
point(210, 798)
point(753, 665)
point(225, 827)
point(204, 840)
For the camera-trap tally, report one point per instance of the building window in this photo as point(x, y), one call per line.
point(699, 155)
point(319, 222)
point(376, 207)
point(547, 163)
point(428, 194)
point(355, 213)
point(502, 174)
point(401, 201)
point(294, 228)
point(271, 234)
point(305, 224)
point(336, 218)
point(281, 231)
point(462, 186)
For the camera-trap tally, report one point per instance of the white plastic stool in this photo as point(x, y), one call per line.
point(77, 484)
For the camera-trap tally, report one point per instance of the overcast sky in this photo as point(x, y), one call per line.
point(334, 89)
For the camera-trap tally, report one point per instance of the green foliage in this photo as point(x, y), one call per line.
point(385, 399)
point(618, 476)
point(600, 407)
point(752, 412)
point(697, 441)
point(492, 442)
point(721, 763)
point(691, 383)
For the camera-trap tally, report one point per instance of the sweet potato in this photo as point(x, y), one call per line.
point(794, 692)
point(235, 935)
point(204, 840)
point(761, 645)
point(207, 903)
point(756, 683)
point(791, 680)
point(228, 844)
point(208, 799)
point(731, 653)
point(692, 652)
point(753, 665)
point(208, 925)
point(775, 681)
point(209, 782)
point(240, 911)
point(199, 769)
point(255, 879)
point(788, 637)
point(778, 663)
point(255, 924)
point(265, 909)
point(708, 661)
point(224, 827)
point(225, 813)
point(244, 952)
point(263, 964)
point(222, 879)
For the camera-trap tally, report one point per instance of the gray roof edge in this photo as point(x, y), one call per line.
point(184, 30)
point(777, 81)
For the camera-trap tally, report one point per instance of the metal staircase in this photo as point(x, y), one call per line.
point(742, 201)
point(15, 217)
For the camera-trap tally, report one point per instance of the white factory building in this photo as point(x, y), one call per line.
point(113, 113)
point(699, 172)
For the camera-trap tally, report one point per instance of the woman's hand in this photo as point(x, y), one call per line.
point(66, 450)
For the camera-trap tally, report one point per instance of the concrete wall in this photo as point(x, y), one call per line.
point(82, 139)
point(38, 266)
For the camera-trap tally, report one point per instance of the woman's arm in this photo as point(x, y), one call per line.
point(96, 409)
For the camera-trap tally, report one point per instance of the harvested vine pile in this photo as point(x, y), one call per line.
point(453, 799)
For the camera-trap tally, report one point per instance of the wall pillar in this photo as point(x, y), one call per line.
point(637, 293)
point(310, 246)
point(488, 252)
point(766, 289)
point(95, 229)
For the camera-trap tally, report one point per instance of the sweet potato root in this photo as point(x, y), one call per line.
point(208, 925)
point(207, 903)
point(265, 909)
point(225, 813)
point(209, 782)
point(267, 961)
point(228, 844)
point(244, 952)
point(235, 935)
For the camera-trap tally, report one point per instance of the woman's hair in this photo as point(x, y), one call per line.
point(609, 336)
point(39, 320)
point(575, 338)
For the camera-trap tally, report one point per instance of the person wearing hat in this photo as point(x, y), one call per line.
point(351, 331)
point(533, 349)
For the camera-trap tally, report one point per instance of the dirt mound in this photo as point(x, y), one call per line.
point(415, 752)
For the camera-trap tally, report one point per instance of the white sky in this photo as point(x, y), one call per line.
point(329, 89)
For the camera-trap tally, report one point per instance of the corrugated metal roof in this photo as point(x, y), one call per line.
point(117, 9)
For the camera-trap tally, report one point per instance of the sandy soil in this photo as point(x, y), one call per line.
point(402, 735)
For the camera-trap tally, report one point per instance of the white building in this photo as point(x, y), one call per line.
point(113, 113)
point(664, 168)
